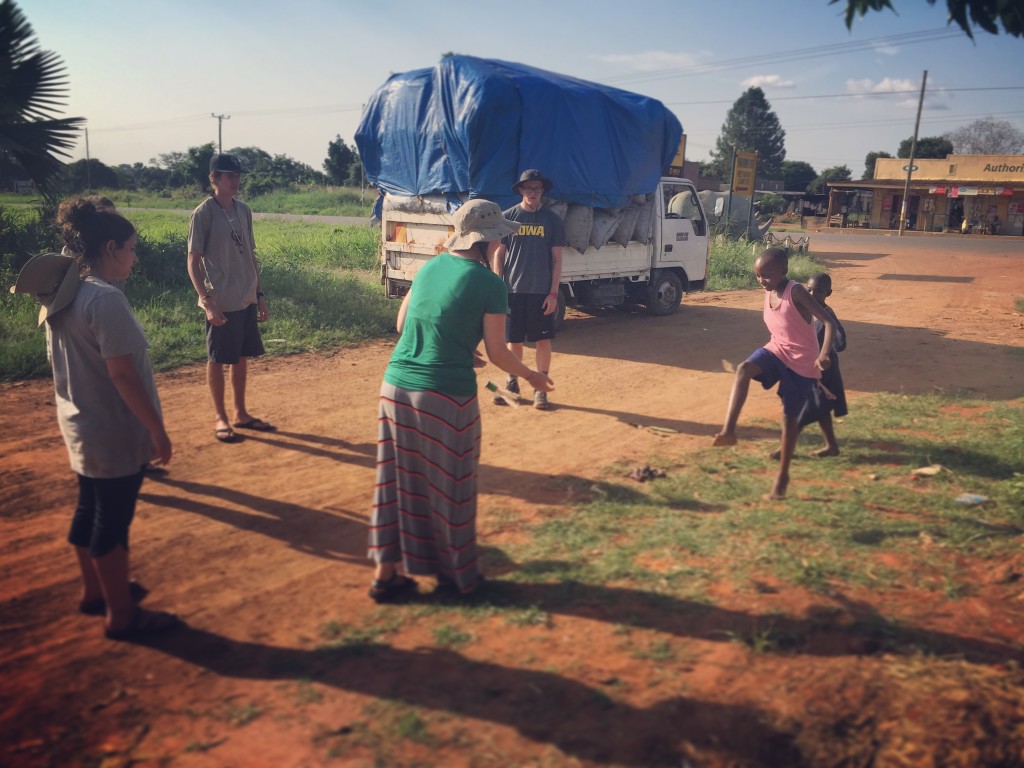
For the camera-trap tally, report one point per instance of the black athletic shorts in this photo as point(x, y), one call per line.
point(526, 319)
point(239, 337)
point(104, 513)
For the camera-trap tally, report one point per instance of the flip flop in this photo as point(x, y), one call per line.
point(226, 435)
point(395, 587)
point(98, 607)
point(258, 425)
point(143, 624)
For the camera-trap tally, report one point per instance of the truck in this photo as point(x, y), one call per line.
point(431, 139)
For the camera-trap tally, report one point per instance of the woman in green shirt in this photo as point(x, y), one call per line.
point(428, 447)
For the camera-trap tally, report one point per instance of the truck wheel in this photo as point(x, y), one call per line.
point(664, 293)
point(556, 321)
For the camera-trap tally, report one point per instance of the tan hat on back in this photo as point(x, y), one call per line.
point(479, 220)
point(51, 279)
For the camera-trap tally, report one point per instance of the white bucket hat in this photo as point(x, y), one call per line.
point(479, 220)
point(51, 279)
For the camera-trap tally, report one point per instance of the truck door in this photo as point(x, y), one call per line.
point(684, 230)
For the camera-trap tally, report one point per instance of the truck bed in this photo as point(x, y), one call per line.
point(411, 239)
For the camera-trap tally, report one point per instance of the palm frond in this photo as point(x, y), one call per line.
point(33, 91)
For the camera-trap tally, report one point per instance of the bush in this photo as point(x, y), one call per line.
point(732, 265)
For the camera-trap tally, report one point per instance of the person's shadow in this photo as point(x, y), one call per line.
point(585, 722)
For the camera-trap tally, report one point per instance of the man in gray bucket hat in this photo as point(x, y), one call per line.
point(531, 264)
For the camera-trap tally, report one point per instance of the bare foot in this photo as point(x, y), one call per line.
point(827, 451)
point(724, 438)
point(779, 489)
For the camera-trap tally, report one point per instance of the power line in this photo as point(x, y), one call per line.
point(834, 49)
point(282, 112)
point(852, 95)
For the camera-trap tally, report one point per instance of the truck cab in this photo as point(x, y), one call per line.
point(666, 257)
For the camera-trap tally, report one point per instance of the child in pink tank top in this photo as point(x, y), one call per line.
point(791, 358)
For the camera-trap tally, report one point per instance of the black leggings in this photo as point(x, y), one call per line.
point(105, 510)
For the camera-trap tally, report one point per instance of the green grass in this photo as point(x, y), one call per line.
point(731, 265)
point(321, 284)
point(707, 521)
point(323, 201)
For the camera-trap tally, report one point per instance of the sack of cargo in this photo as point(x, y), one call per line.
point(558, 208)
point(644, 222)
point(624, 232)
point(578, 219)
point(415, 204)
point(605, 222)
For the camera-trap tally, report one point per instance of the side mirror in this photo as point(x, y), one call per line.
point(719, 206)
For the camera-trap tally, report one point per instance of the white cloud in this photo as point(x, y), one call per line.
point(868, 87)
point(935, 97)
point(771, 81)
point(649, 61)
point(887, 50)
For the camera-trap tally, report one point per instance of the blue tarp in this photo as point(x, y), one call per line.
point(470, 126)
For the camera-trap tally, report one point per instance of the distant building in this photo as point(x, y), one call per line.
point(961, 193)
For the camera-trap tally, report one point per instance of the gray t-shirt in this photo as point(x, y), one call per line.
point(104, 438)
point(225, 241)
point(528, 260)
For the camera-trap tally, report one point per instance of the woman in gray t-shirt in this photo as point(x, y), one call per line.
point(108, 410)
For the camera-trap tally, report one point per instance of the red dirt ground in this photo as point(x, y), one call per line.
point(259, 545)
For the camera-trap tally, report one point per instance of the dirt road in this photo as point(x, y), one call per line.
point(258, 545)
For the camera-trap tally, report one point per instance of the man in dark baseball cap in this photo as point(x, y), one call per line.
point(226, 276)
point(225, 163)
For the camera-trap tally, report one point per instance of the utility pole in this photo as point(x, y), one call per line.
point(88, 162)
point(905, 207)
point(220, 122)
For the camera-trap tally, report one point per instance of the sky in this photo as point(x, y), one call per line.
point(148, 75)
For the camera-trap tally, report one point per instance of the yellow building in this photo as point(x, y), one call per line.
point(981, 194)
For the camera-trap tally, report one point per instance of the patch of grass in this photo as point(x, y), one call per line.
point(758, 640)
point(307, 694)
point(311, 200)
point(410, 726)
point(529, 617)
point(449, 636)
point(203, 746)
point(320, 281)
point(659, 650)
point(861, 519)
point(243, 715)
point(393, 721)
point(732, 265)
point(1019, 305)
point(322, 201)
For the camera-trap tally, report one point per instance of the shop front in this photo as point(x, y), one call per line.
point(965, 194)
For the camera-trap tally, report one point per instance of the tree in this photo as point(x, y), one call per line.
point(751, 125)
point(32, 88)
point(197, 165)
point(264, 173)
point(355, 173)
point(339, 160)
point(869, 163)
point(835, 173)
point(983, 13)
point(796, 175)
point(935, 147)
point(986, 137)
point(83, 175)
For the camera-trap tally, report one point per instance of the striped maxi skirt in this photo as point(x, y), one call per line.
point(424, 508)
